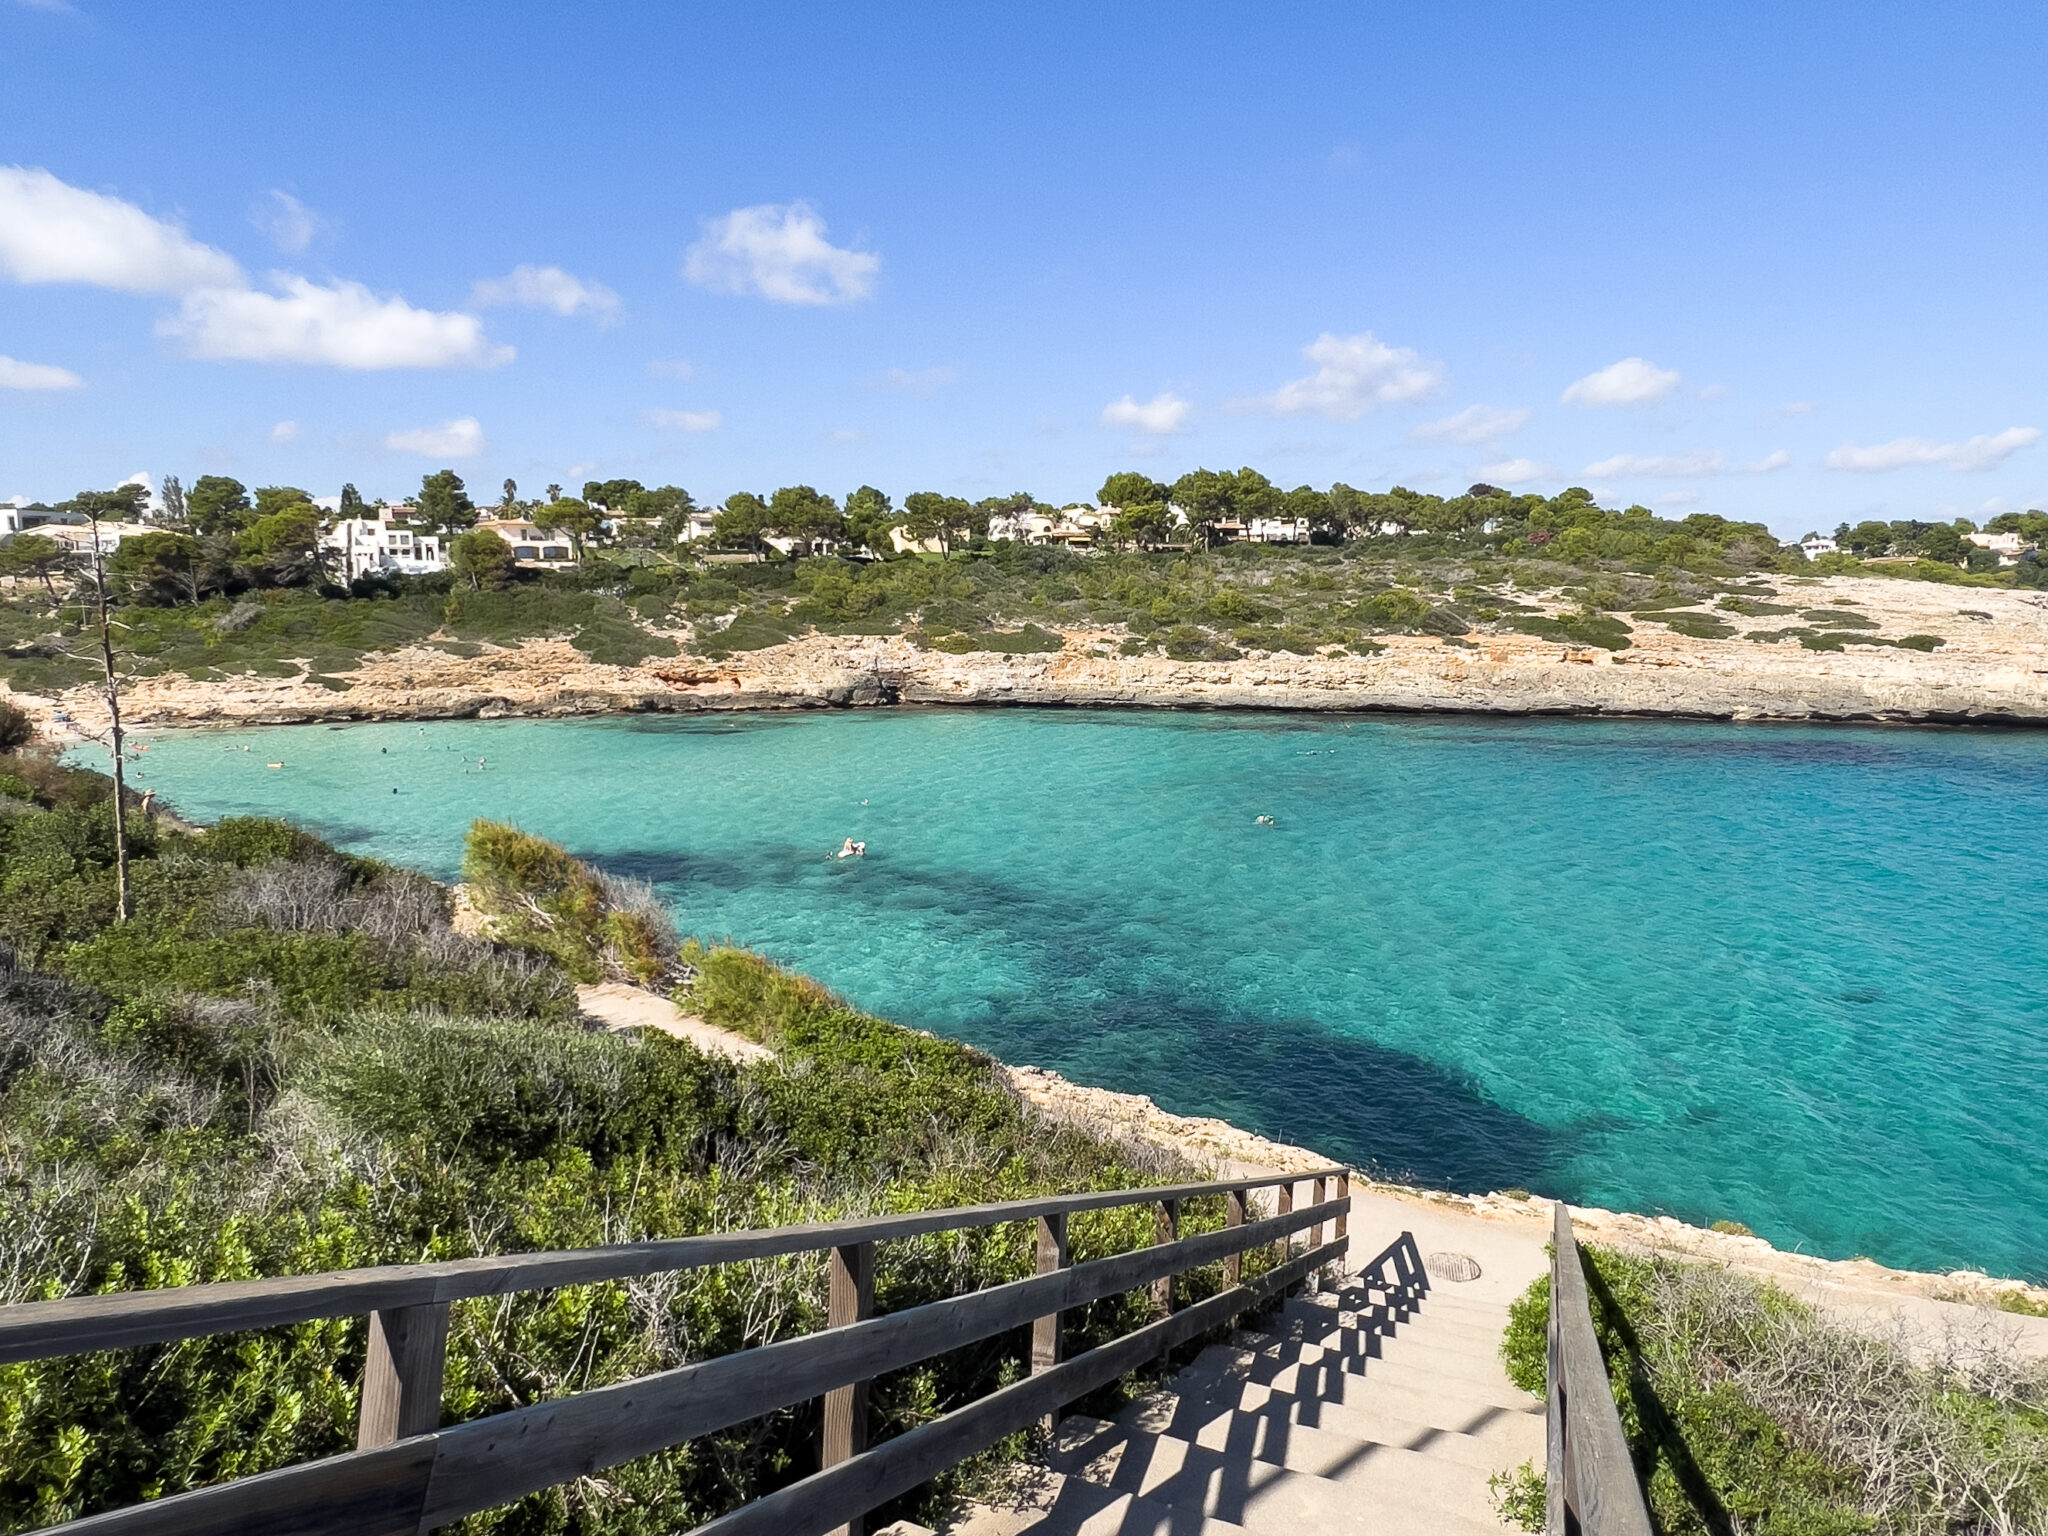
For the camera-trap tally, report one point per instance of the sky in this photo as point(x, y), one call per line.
point(1774, 262)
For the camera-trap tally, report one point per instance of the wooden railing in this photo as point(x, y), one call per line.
point(1592, 1480)
point(408, 1474)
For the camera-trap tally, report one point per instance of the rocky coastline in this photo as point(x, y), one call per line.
point(1991, 668)
point(1857, 1284)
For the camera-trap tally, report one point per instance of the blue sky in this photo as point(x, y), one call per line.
point(1778, 262)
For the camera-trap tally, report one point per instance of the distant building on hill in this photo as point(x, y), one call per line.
point(77, 538)
point(532, 544)
point(1817, 546)
point(376, 546)
point(2007, 546)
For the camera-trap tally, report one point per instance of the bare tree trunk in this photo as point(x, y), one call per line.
point(99, 576)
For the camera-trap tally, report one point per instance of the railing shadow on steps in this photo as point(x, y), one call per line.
point(1591, 1482)
point(408, 1474)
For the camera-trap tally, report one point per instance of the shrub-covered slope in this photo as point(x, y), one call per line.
point(290, 1061)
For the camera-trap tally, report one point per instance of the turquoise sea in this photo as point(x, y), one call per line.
point(1789, 976)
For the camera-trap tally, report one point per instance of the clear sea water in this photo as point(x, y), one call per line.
point(1788, 976)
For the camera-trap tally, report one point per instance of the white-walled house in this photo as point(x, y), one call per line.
point(2008, 546)
point(374, 546)
point(1817, 546)
point(532, 544)
point(77, 538)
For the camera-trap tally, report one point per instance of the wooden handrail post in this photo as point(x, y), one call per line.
point(401, 1394)
point(849, 1299)
point(1053, 1254)
point(1343, 1193)
point(1283, 1201)
point(1315, 1233)
point(1165, 1229)
point(1233, 1216)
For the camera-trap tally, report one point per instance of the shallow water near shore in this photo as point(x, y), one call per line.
point(1784, 975)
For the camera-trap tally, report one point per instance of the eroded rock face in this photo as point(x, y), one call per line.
point(1993, 666)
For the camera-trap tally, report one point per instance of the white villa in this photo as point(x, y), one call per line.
point(381, 546)
point(1817, 546)
point(532, 544)
point(77, 538)
point(2007, 546)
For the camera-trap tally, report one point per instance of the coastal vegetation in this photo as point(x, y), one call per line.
point(242, 587)
point(289, 1060)
point(1748, 1410)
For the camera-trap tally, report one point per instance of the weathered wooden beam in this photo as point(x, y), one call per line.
point(850, 1298)
point(1598, 1486)
point(1315, 1233)
point(370, 1493)
point(37, 1330)
point(1165, 1229)
point(434, 1479)
point(401, 1395)
point(1233, 1216)
point(1053, 1254)
point(1343, 1226)
point(896, 1466)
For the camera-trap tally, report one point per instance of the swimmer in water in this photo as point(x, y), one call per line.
point(851, 850)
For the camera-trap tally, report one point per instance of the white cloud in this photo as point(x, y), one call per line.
point(532, 287)
point(52, 232)
point(1796, 408)
point(1474, 424)
point(779, 252)
point(462, 438)
point(285, 221)
point(15, 374)
point(1354, 375)
point(1164, 413)
point(1684, 466)
point(686, 421)
point(844, 435)
point(670, 368)
point(1698, 464)
point(915, 381)
point(1514, 472)
point(1714, 392)
point(285, 432)
point(341, 324)
point(1984, 451)
point(1632, 381)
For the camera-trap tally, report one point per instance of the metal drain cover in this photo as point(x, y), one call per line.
point(1452, 1266)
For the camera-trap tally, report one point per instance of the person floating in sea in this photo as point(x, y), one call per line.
point(1263, 821)
point(851, 850)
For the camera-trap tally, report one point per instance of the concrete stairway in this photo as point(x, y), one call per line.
point(1355, 1410)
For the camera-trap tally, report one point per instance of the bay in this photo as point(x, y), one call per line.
point(1787, 976)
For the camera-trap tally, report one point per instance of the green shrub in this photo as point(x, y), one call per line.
point(539, 898)
point(246, 841)
point(1747, 1410)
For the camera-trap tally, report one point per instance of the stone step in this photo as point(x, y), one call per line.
point(1396, 1381)
point(1459, 1354)
point(1073, 1506)
point(1485, 1379)
point(1341, 1399)
point(1373, 1489)
point(1203, 1413)
point(1479, 1315)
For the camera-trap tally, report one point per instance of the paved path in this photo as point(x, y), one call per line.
point(619, 1006)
